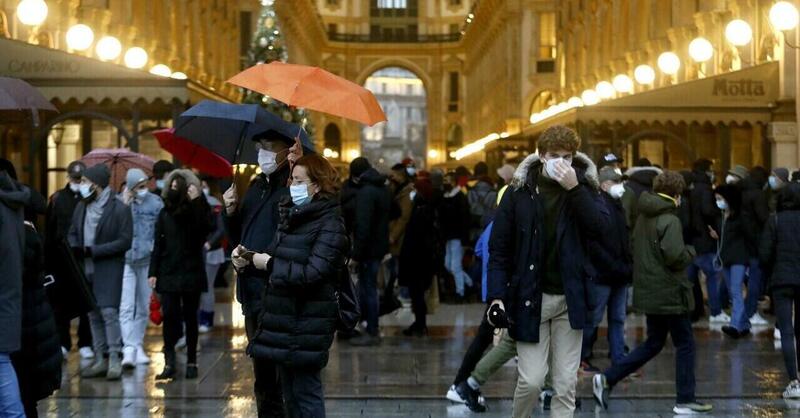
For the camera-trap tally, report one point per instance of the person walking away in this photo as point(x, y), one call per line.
point(640, 180)
point(135, 300)
point(539, 267)
point(177, 268)
point(780, 253)
point(481, 197)
point(100, 235)
point(58, 219)
point(401, 185)
point(370, 243)
point(662, 292)
point(214, 257)
point(755, 211)
point(417, 256)
point(612, 259)
point(252, 223)
point(732, 255)
point(454, 220)
point(298, 320)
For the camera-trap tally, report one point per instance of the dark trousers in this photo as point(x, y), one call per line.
point(84, 331)
point(658, 326)
point(180, 308)
point(267, 388)
point(482, 341)
point(787, 299)
point(417, 292)
point(302, 390)
point(368, 293)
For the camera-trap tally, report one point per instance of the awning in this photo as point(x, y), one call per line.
point(63, 76)
point(739, 97)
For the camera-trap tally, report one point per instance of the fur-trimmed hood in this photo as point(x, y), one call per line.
point(187, 175)
point(580, 161)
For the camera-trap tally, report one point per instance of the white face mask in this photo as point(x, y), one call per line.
point(411, 171)
point(731, 179)
point(412, 195)
point(86, 190)
point(299, 194)
point(722, 204)
point(773, 182)
point(142, 193)
point(616, 191)
point(206, 191)
point(550, 166)
point(75, 187)
point(160, 184)
point(267, 160)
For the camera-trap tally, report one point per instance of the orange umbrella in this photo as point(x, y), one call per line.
point(312, 88)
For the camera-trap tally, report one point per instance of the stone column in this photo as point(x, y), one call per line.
point(783, 144)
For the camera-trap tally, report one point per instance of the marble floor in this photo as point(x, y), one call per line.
point(407, 377)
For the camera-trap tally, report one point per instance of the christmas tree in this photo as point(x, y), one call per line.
point(267, 46)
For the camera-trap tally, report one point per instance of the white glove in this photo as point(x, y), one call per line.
point(237, 261)
point(260, 260)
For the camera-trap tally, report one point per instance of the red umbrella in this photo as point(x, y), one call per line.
point(193, 155)
point(119, 161)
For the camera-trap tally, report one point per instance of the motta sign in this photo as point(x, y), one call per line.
point(44, 66)
point(739, 88)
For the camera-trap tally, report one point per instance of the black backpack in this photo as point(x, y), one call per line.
point(347, 298)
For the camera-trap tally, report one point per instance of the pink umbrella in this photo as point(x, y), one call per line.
point(119, 161)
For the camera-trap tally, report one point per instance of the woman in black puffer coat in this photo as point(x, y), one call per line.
point(298, 321)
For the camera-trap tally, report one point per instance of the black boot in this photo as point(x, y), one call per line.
point(191, 371)
point(169, 367)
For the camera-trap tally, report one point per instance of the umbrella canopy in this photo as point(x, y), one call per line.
point(17, 97)
point(193, 155)
point(119, 160)
point(223, 129)
point(312, 88)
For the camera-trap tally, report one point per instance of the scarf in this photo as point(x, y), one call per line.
point(94, 211)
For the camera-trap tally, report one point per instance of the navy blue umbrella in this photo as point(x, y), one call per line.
point(226, 129)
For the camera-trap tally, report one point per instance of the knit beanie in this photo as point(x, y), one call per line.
point(98, 174)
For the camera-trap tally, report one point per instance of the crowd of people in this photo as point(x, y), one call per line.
point(551, 245)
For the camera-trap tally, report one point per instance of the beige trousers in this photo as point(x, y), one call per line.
point(559, 346)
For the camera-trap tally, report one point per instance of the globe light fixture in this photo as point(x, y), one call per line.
point(605, 89)
point(80, 37)
point(161, 70)
point(108, 48)
point(575, 101)
point(700, 49)
point(738, 32)
point(669, 63)
point(783, 16)
point(181, 76)
point(32, 12)
point(623, 84)
point(590, 97)
point(135, 58)
point(433, 154)
point(644, 74)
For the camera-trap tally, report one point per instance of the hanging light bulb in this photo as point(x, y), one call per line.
point(161, 70)
point(32, 12)
point(605, 89)
point(590, 97)
point(623, 83)
point(738, 32)
point(80, 37)
point(783, 16)
point(575, 101)
point(179, 75)
point(108, 48)
point(135, 58)
point(644, 74)
point(700, 49)
point(669, 63)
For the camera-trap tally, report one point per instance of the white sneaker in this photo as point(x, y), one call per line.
point(141, 356)
point(722, 318)
point(792, 391)
point(86, 353)
point(203, 329)
point(181, 344)
point(128, 357)
point(758, 320)
point(453, 396)
point(776, 334)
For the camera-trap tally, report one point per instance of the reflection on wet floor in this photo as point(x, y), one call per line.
point(408, 376)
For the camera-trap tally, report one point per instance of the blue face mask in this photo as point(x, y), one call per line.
point(773, 182)
point(299, 194)
point(722, 204)
point(86, 190)
point(160, 184)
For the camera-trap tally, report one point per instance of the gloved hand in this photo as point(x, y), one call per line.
point(260, 260)
point(236, 259)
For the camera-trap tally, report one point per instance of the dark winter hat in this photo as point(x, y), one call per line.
point(782, 173)
point(608, 174)
point(359, 166)
point(732, 194)
point(75, 170)
point(8, 167)
point(739, 171)
point(703, 164)
point(643, 162)
point(98, 174)
point(162, 167)
point(481, 169)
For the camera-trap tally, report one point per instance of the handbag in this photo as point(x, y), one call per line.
point(347, 299)
point(156, 317)
point(68, 290)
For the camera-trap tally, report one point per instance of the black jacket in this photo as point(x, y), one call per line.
point(640, 180)
point(298, 321)
point(755, 211)
point(59, 214)
point(38, 362)
point(611, 252)
point(780, 242)
point(371, 226)
point(347, 199)
point(177, 261)
point(704, 213)
point(418, 254)
point(253, 225)
point(13, 198)
point(454, 217)
point(517, 248)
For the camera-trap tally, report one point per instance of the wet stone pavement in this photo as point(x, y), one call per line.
point(408, 377)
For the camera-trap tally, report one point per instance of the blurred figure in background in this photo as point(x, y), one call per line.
point(214, 258)
point(454, 220)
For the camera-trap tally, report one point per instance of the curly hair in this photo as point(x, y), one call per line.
point(321, 173)
point(559, 137)
point(669, 183)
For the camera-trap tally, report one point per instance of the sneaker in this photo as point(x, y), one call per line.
point(129, 358)
point(99, 368)
point(545, 398)
point(692, 408)
point(86, 353)
point(792, 391)
point(587, 368)
point(203, 329)
point(141, 356)
point(758, 320)
point(365, 340)
point(776, 334)
point(722, 318)
point(600, 390)
point(471, 397)
point(114, 367)
point(453, 396)
point(181, 344)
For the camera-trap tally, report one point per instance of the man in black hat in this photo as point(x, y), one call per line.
point(59, 218)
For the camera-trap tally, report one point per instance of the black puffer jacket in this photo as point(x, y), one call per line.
point(610, 253)
point(38, 362)
point(371, 226)
point(733, 250)
point(298, 320)
point(418, 255)
point(755, 211)
point(704, 213)
point(780, 242)
point(454, 217)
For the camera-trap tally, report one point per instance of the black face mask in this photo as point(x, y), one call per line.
point(174, 197)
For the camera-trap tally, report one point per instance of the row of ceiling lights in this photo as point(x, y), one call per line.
point(80, 37)
point(783, 16)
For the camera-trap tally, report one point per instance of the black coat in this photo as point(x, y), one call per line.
point(13, 197)
point(733, 250)
point(418, 254)
point(298, 322)
point(780, 242)
point(253, 225)
point(347, 198)
point(177, 261)
point(704, 214)
point(371, 227)
point(517, 248)
point(640, 180)
point(59, 214)
point(454, 217)
point(611, 252)
point(755, 211)
point(38, 362)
